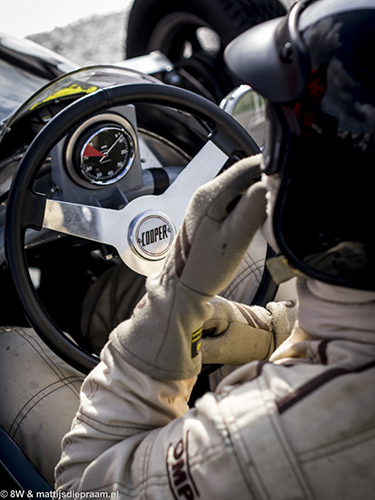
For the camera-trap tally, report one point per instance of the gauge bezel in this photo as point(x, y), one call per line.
point(82, 160)
point(106, 120)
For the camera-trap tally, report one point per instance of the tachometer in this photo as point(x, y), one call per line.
point(104, 155)
point(101, 151)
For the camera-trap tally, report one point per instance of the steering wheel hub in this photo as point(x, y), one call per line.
point(151, 235)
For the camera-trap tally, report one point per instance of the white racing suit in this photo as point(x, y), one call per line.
point(302, 426)
point(39, 393)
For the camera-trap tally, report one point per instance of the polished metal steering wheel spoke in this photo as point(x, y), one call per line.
point(116, 227)
point(205, 165)
point(84, 221)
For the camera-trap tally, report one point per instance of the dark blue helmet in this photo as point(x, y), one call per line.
point(316, 67)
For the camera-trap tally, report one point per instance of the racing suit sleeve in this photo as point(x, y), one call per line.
point(127, 438)
point(119, 407)
point(131, 401)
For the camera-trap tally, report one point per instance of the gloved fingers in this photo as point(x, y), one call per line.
point(218, 247)
point(227, 188)
point(217, 196)
point(228, 314)
point(214, 326)
point(248, 215)
point(237, 346)
point(284, 315)
point(239, 229)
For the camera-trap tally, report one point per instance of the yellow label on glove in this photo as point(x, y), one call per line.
point(196, 342)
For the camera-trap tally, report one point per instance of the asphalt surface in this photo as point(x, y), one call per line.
point(97, 40)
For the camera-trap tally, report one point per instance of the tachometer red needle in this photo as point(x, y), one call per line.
point(90, 151)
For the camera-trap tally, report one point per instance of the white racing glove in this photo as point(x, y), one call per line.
point(239, 333)
point(163, 336)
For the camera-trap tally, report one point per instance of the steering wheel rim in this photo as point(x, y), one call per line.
point(26, 208)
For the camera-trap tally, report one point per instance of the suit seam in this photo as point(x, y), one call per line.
point(312, 385)
point(61, 383)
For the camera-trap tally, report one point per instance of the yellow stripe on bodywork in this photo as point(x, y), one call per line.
point(68, 91)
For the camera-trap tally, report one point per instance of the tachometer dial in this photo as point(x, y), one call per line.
point(104, 155)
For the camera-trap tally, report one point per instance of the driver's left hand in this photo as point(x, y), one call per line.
point(237, 333)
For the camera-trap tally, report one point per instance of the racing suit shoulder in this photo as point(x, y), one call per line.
point(301, 430)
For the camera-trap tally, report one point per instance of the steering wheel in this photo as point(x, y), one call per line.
point(226, 140)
